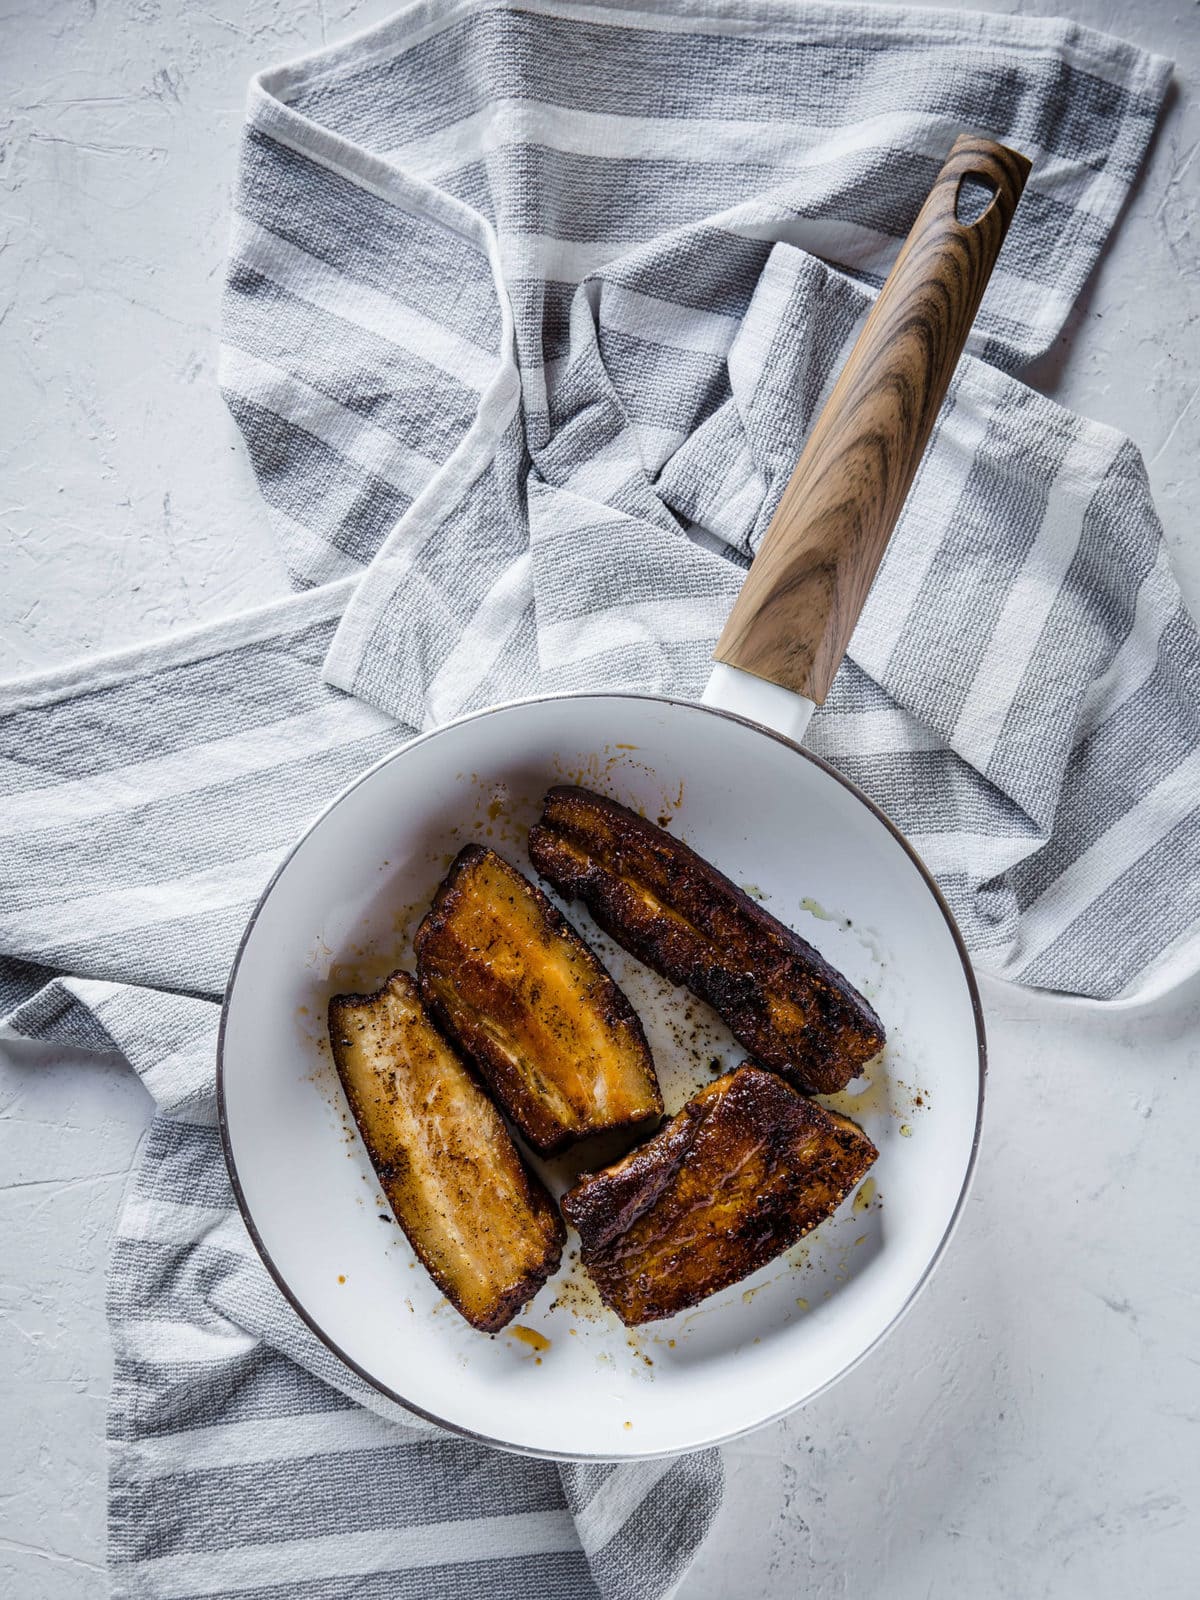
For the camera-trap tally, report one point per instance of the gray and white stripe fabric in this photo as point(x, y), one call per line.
point(528, 311)
point(662, 230)
point(245, 1459)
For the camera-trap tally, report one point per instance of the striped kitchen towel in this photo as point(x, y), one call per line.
point(246, 1459)
point(528, 310)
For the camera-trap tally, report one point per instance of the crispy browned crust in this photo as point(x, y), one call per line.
point(516, 988)
point(747, 1167)
point(780, 997)
point(485, 1229)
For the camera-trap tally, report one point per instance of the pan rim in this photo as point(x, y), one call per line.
point(460, 1429)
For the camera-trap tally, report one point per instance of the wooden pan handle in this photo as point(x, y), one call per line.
point(793, 619)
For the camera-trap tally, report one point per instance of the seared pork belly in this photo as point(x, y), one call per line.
point(516, 988)
point(482, 1224)
point(746, 1169)
point(779, 997)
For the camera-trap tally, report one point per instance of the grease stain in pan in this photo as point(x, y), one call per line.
point(537, 1342)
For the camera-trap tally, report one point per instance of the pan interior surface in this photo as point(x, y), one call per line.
point(566, 1378)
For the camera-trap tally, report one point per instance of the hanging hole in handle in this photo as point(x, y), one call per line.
point(976, 194)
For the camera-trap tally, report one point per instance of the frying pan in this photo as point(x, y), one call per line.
point(566, 1379)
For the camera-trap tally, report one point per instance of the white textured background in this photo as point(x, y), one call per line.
point(1030, 1430)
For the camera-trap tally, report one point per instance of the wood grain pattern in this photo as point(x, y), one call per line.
point(793, 619)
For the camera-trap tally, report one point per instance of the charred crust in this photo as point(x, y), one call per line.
point(602, 1205)
point(673, 910)
point(770, 1165)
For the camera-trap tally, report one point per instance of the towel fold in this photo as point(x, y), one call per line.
point(527, 314)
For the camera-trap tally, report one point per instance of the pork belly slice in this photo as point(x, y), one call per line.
point(484, 1227)
point(779, 997)
point(747, 1167)
point(511, 982)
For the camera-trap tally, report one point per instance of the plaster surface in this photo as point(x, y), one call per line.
point(1030, 1429)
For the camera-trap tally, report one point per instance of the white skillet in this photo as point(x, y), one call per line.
point(567, 1379)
